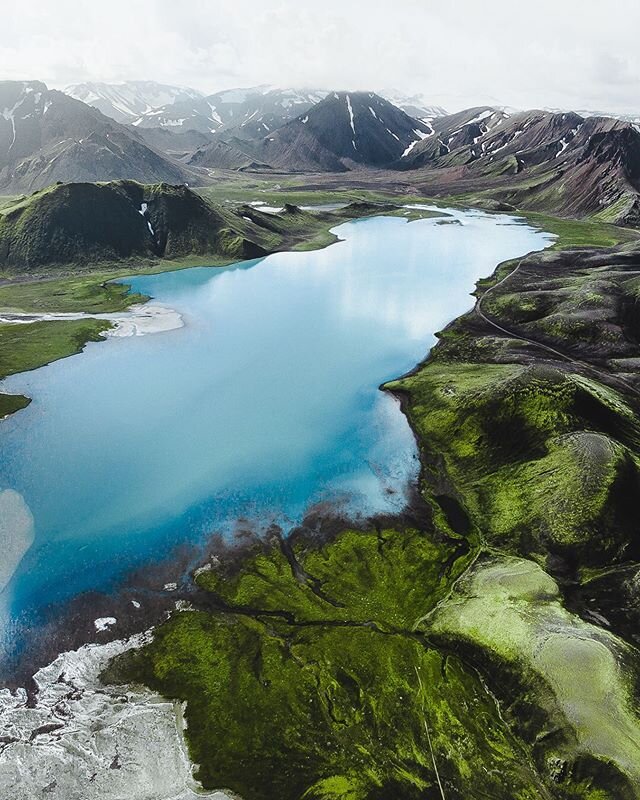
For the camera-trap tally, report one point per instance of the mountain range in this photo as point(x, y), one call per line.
point(127, 102)
point(539, 160)
point(559, 162)
point(250, 112)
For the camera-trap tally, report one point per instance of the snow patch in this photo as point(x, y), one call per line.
point(143, 212)
point(410, 148)
point(9, 115)
point(214, 114)
point(564, 143)
point(481, 117)
point(508, 142)
point(353, 127)
point(104, 623)
point(420, 136)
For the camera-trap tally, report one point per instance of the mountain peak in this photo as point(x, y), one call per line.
point(344, 130)
point(47, 136)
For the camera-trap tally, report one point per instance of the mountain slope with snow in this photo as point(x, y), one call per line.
point(416, 105)
point(345, 130)
point(47, 136)
point(249, 113)
point(127, 102)
point(540, 160)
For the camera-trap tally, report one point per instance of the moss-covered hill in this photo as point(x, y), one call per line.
point(84, 224)
point(312, 680)
point(487, 647)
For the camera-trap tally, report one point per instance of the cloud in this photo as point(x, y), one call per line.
point(572, 54)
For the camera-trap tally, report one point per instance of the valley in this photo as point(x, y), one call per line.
point(236, 530)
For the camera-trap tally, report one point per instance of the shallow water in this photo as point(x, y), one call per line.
point(264, 403)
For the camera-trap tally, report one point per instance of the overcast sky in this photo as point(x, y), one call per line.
point(577, 54)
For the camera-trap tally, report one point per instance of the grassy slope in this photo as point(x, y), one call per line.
point(79, 227)
point(7, 200)
point(94, 293)
point(581, 233)
point(544, 459)
point(26, 347)
point(351, 679)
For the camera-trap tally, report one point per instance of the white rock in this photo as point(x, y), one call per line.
point(104, 623)
point(87, 741)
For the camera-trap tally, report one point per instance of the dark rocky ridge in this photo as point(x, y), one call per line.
point(233, 154)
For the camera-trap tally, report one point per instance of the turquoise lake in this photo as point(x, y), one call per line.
point(265, 403)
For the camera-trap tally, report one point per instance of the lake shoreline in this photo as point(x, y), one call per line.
point(510, 609)
point(97, 608)
point(10, 404)
point(485, 363)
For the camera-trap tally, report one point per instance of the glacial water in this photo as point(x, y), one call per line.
point(265, 403)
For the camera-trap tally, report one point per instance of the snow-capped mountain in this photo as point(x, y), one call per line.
point(47, 136)
point(346, 129)
point(634, 118)
point(415, 105)
point(126, 102)
point(250, 113)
